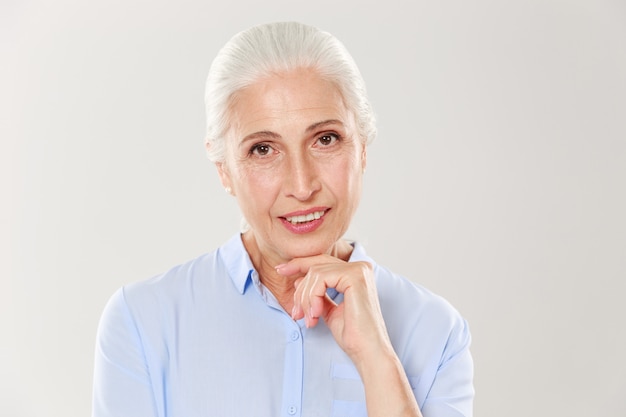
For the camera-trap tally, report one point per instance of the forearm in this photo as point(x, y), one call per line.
point(387, 389)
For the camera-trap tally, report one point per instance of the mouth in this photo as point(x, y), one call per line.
point(305, 218)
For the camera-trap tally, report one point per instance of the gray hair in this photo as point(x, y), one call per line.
point(275, 48)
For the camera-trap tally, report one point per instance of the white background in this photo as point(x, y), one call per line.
point(498, 178)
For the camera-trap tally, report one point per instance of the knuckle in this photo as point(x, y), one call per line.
point(366, 266)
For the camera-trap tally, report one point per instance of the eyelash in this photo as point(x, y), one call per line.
point(256, 147)
point(333, 135)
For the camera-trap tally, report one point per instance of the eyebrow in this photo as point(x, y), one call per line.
point(268, 134)
point(263, 134)
point(319, 125)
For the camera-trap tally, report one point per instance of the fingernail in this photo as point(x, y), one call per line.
point(293, 312)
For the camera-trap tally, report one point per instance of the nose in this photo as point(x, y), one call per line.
point(301, 178)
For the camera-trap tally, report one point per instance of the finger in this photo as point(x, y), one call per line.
point(305, 304)
point(303, 298)
point(297, 313)
point(321, 308)
point(313, 293)
point(300, 266)
point(316, 309)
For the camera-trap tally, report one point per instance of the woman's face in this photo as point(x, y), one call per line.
point(295, 163)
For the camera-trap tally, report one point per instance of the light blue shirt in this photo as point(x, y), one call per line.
point(207, 339)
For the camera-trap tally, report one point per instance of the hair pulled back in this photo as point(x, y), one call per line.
point(276, 48)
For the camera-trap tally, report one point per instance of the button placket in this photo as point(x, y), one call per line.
point(293, 371)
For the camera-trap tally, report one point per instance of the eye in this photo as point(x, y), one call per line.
point(328, 139)
point(261, 149)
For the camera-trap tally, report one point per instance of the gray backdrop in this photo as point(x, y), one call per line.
point(497, 180)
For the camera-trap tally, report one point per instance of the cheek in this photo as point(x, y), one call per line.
point(257, 188)
point(349, 168)
point(344, 178)
point(250, 177)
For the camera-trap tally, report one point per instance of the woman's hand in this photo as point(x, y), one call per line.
point(357, 323)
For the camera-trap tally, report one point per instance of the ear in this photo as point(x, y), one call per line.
point(222, 170)
point(364, 158)
point(225, 179)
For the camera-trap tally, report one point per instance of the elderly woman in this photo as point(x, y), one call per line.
point(287, 318)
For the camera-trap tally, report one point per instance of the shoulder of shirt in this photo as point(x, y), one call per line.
point(403, 300)
point(177, 282)
point(187, 281)
point(400, 289)
point(411, 309)
point(395, 288)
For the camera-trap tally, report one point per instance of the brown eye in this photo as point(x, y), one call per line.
point(328, 139)
point(261, 149)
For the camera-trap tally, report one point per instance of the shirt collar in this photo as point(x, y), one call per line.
point(358, 254)
point(241, 269)
point(237, 262)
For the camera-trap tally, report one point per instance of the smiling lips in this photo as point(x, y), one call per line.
point(304, 221)
point(304, 218)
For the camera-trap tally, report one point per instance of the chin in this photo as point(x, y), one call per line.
point(300, 248)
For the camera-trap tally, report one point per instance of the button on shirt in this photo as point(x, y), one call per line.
point(207, 339)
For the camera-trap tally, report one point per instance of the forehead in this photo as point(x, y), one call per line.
point(292, 100)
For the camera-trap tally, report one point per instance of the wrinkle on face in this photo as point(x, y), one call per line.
point(288, 111)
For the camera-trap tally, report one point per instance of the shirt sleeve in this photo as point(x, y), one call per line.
point(452, 391)
point(122, 386)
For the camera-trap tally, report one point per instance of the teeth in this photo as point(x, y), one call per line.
point(305, 217)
